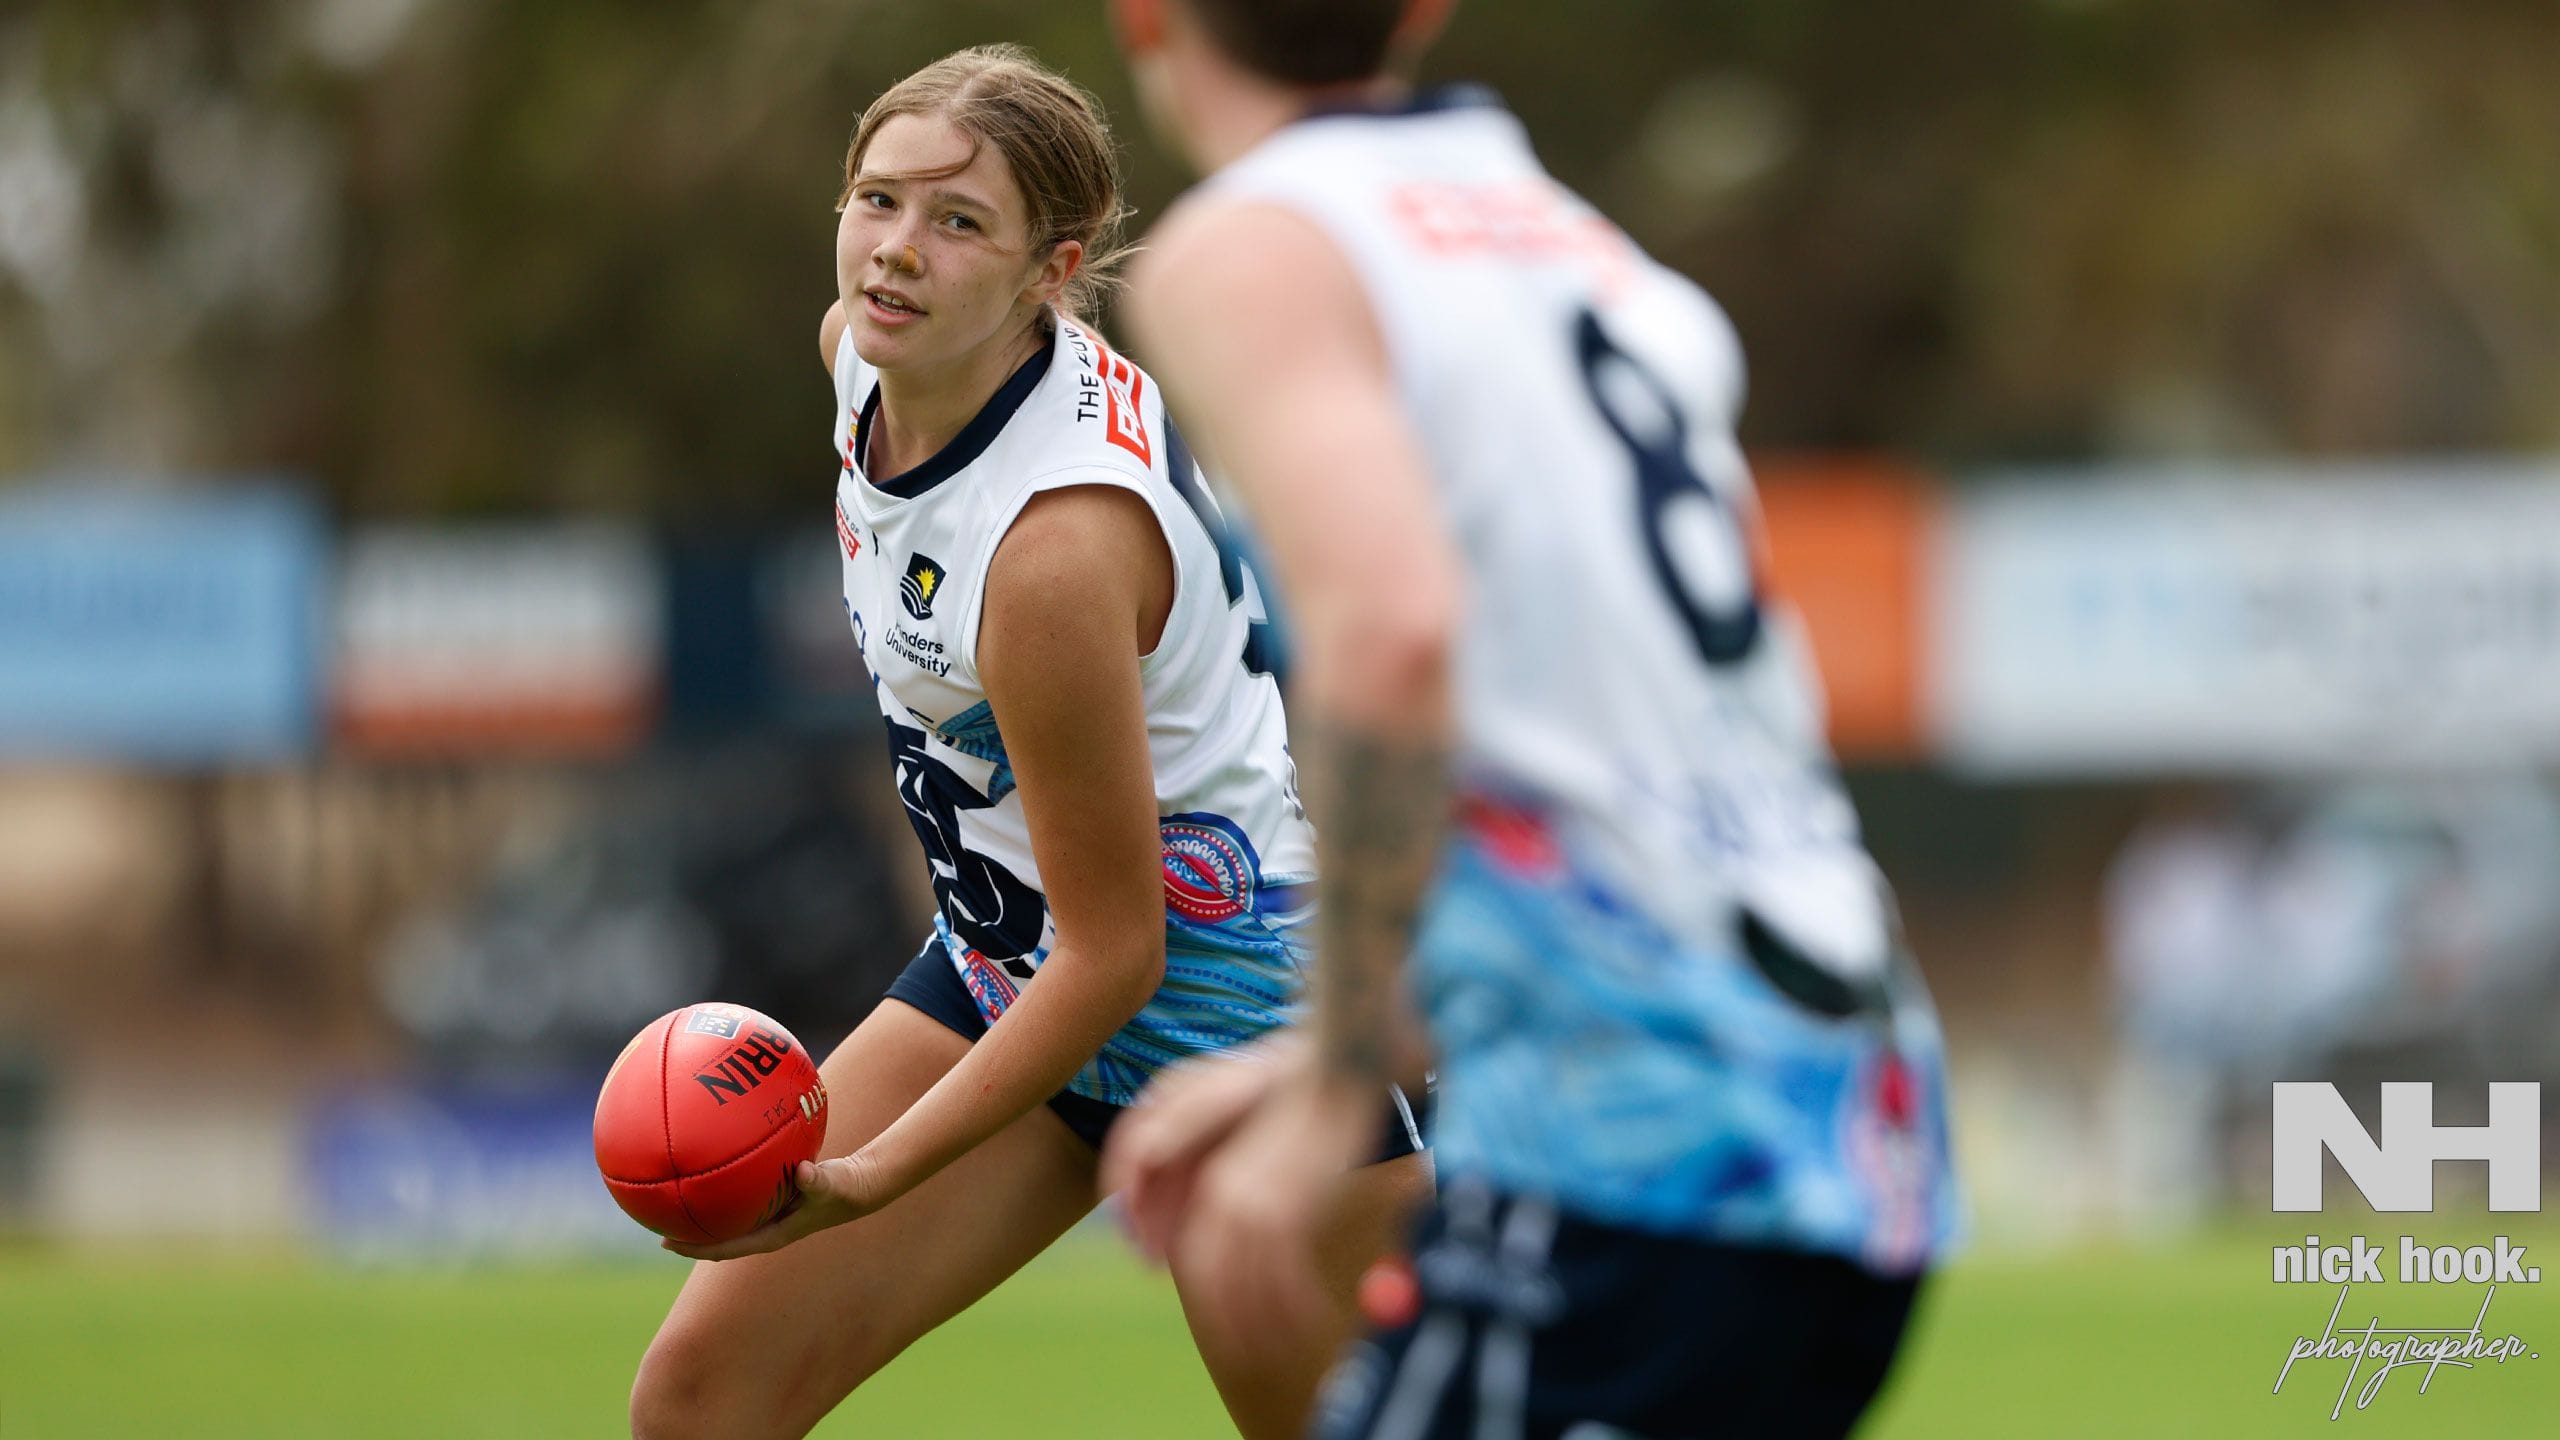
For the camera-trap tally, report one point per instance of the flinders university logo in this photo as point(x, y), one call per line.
point(2453, 1285)
point(916, 591)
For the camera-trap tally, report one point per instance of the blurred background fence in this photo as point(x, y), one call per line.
point(420, 661)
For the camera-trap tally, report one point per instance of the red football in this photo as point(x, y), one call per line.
point(703, 1120)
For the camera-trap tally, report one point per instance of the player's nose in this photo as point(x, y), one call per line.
point(897, 253)
point(899, 260)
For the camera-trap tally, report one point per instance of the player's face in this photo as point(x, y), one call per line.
point(932, 255)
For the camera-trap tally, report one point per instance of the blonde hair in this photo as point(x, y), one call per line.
point(1051, 133)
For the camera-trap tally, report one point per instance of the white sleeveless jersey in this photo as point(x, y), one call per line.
point(1237, 849)
point(1656, 968)
point(1577, 400)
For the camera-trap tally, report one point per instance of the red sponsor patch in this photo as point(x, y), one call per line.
point(1526, 220)
point(1124, 388)
point(844, 533)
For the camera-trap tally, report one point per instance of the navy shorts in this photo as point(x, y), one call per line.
point(933, 985)
point(1536, 1326)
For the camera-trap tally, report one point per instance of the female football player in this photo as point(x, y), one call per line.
point(1085, 737)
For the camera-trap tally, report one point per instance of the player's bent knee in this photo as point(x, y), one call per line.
point(692, 1388)
point(678, 1395)
point(696, 1381)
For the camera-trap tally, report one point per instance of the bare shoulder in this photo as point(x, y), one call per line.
point(1081, 576)
point(1248, 268)
point(830, 335)
point(1075, 546)
point(1213, 234)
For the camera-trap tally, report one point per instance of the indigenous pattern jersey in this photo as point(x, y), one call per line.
point(1664, 977)
point(1238, 854)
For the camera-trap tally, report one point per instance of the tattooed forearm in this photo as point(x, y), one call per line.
point(1380, 805)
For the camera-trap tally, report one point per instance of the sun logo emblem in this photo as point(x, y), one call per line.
point(916, 591)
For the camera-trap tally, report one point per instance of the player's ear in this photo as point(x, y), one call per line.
point(1139, 24)
point(1060, 266)
point(1420, 28)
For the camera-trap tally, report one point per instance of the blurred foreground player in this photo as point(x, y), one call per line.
point(1560, 748)
point(1091, 751)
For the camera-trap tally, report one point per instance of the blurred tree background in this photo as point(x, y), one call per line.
point(469, 257)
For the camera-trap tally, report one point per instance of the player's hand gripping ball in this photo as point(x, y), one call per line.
point(703, 1120)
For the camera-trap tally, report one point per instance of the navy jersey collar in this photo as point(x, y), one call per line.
point(973, 439)
point(1436, 100)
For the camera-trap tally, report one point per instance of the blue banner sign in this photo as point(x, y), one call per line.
point(179, 627)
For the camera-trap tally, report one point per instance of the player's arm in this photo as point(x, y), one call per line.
point(1264, 335)
point(1074, 590)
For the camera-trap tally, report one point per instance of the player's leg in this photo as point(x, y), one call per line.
point(767, 1345)
point(1268, 1380)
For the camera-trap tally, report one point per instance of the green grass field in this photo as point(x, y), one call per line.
point(2181, 1343)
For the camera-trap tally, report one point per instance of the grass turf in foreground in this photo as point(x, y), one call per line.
point(1084, 1343)
point(2179, 1343)
point(2187, 1342)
